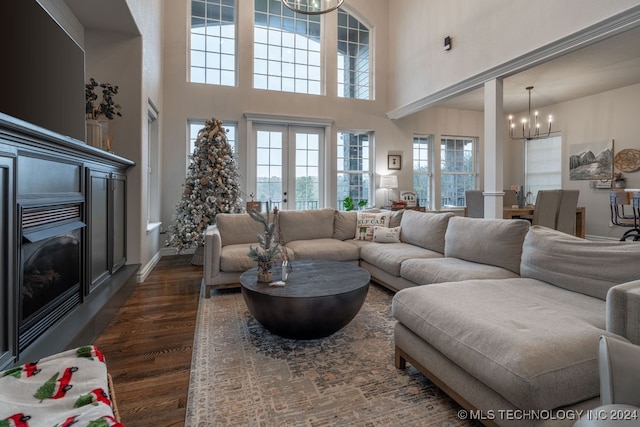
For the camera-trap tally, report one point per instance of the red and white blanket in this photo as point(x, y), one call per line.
point(68, 388)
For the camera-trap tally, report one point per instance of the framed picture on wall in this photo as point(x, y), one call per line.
point(394, 162)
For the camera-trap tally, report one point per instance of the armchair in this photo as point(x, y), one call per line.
point(619, 369)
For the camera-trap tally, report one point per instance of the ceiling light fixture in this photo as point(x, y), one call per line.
point(313, 7)
point(530, 126)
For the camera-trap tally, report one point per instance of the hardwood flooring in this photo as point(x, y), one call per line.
point(148, 345)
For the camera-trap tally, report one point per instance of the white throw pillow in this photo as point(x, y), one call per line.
point(366, 221)
point(386, 235)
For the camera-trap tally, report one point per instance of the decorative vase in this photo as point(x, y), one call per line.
point(265, 274)
point(522, 198)
point(97, 130)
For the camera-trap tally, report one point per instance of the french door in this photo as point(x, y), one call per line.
point(289, 166)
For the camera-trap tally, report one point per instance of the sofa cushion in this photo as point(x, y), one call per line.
point(306, 225)
point(344, 225)
point(427, 271)
point(396, 218)
point(386, 234)
point(591, 268)
point(325, 249)
point(390, 256)
point(533, 343)
point(425, 229)
point(238, 228)
point(233, 258)
point(486, 241)
point(367, 220)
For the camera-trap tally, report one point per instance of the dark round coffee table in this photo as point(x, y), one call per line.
point(319, 299)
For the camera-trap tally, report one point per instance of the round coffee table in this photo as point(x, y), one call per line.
point(320, 298)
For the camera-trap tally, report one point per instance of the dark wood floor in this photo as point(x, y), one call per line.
point(148, 345)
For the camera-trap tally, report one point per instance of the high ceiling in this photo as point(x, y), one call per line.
point(606, 65)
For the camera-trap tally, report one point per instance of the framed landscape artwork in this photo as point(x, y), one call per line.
point(593, 160)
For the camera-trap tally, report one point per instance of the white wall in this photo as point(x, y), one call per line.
point(485, 34)
point(146, 244)
point(134, 63)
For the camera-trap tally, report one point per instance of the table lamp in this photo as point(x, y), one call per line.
point(388, 182)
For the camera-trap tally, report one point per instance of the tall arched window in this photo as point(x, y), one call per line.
point(354, 62)
point(286, 49)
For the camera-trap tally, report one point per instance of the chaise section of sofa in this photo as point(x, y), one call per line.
point(527, 343)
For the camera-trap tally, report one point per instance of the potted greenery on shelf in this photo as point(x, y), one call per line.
point(107, 107)
point(98, 114)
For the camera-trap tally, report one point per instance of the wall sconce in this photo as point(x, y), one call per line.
point(447, 43)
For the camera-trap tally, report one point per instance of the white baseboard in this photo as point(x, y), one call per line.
point(144, 272)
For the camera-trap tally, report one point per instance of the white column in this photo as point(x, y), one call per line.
point(493, 149)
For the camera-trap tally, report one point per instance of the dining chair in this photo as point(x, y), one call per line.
point(617, 202)
point(566, 221)
point(545, 211)
point(619, 374)
point(509, 198)
point(474, 203)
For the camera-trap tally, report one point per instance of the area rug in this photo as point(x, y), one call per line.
point(242, 375)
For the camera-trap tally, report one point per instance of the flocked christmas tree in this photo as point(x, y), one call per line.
point(211, 187)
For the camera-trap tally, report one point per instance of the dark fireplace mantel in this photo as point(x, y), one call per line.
point(61, 204)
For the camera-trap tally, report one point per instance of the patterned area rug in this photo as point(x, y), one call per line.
point(242, 375)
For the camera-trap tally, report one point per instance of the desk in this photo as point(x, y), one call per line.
point(510, 213)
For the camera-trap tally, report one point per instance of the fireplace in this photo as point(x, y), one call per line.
point(50, 262)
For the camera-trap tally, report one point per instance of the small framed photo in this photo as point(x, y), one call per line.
point(394, 162)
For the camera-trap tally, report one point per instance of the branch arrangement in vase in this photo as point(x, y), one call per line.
point(107, 107)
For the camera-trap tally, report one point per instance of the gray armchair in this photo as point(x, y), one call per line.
point(619, 369)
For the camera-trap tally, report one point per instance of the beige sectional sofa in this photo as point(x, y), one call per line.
point(329, 234)
point(522, 351)
point(502, 316)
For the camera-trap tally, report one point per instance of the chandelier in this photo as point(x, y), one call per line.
point(313, 7)
point(530, 125)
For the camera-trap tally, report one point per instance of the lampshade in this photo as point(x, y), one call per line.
point(312, 7)
point(388, 181)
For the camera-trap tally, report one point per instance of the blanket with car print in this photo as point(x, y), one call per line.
point(68, 388)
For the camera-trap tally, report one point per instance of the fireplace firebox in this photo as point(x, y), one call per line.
point(51, 268)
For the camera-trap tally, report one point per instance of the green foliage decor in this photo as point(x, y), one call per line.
point(349, 205)
point(107, 107)
point(267, 248)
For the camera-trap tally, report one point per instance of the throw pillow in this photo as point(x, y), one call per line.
point(386, 235)
point(366, 221)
